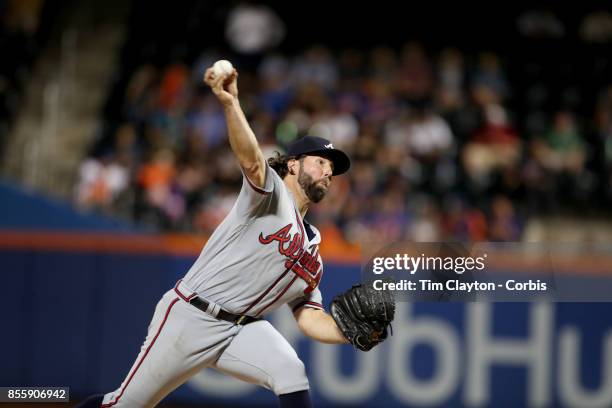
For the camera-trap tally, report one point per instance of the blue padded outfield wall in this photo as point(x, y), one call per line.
point(22, 209)
point(78, 320)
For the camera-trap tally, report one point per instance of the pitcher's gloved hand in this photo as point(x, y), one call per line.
point(363, 314)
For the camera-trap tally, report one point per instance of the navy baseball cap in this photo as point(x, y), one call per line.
point(318, 146)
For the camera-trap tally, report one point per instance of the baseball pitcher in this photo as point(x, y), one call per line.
point(262, 256)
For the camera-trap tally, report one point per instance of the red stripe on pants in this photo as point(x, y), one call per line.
point(143, 357)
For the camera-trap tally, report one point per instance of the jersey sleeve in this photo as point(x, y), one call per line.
point(252, 198)
point(313, 300)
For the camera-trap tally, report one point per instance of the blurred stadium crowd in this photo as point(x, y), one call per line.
point(447, 142)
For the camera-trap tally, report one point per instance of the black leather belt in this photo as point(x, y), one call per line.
point(223, 315)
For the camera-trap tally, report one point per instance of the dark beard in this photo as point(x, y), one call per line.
point(314, 192)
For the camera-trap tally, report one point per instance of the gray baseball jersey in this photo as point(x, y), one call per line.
point(260, 257)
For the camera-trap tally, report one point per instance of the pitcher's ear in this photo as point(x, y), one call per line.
point(291, 166)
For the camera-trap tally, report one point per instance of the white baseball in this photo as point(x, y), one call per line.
point(222, 68)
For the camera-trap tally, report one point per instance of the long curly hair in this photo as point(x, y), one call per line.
point(279, 163)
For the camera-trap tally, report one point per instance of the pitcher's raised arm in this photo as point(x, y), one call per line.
point(241, 137)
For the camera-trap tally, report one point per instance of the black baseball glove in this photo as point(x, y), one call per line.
point(363, 313)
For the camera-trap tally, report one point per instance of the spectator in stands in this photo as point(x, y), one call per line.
point(463, 223)
point(383, 65)
point(560, 156)
point(451, 76)
point(426, 225)
point(562, 148)
point(415, 79)
point(493, 148)
point(252, 29)
point(161, 203)
point(315, 67)
point(504, 224)
point(275, 88)
point(379, 104)
point(337, 124)
point(101, 181)
point(205, 121)
point(489, 74)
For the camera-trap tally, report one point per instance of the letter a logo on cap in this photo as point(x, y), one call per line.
point(329, 146)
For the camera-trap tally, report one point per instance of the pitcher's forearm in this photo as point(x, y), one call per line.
point(244, 144)
point(319, 326)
